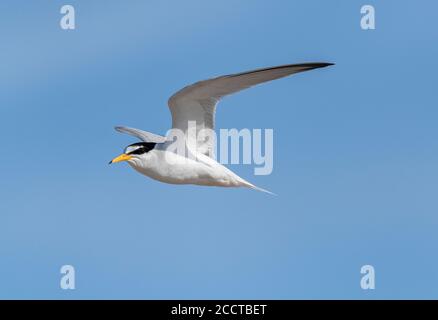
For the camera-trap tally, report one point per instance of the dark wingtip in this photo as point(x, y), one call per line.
point(110, 162)
point(314, 65)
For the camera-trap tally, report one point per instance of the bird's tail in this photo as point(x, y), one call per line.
point(251, 186)
point(243, 183)
point(262, 190)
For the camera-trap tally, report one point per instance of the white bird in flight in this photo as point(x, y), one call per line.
point(154, 156)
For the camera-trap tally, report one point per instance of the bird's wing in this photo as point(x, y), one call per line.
point(197, 102)
point(142, 135)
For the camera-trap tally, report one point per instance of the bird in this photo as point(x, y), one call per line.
point(193, 111)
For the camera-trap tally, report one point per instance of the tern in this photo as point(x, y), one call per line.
point(155, 156)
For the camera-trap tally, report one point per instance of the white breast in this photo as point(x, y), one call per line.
point(172, 168)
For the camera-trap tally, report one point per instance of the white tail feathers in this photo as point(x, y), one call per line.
point(251, 186)
point(262, 190)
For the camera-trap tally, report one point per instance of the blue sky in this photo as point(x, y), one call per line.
point(355, 151)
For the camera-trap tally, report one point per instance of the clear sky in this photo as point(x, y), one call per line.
point(355, 151)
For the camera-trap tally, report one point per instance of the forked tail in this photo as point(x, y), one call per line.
point(262, 190)
point(251, 186)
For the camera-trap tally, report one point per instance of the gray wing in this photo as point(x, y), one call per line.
point(197, 102)
point(142, 135)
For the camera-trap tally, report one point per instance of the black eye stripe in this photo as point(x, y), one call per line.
point(138, 151)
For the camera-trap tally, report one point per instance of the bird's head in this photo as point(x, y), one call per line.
point(135, 151)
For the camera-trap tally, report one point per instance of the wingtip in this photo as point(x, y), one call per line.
point(315, 65)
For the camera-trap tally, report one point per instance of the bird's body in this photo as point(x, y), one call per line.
point(193, 109)
point(170, 167)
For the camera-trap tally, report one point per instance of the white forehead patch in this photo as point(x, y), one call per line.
point(130, 149)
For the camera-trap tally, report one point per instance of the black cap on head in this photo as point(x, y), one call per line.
point(139, 148)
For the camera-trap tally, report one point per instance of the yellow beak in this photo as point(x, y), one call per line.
point(122, 157)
